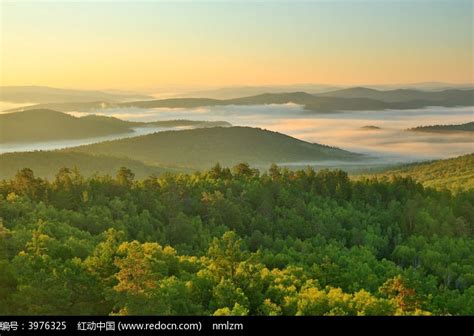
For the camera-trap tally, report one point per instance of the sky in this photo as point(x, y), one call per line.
point(146, 44)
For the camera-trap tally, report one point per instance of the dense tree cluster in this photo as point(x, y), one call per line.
point(234, 242)
point(454, 174)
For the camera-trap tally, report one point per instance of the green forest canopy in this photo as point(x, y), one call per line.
point(198, 148)
point(453, 174)
point(46, 164)
point(234, 242)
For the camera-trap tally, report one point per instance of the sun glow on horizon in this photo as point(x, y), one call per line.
point(141, 45)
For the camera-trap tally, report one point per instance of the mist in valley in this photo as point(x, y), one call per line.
point(385, 141)
point(62, 144)
point(390, 142)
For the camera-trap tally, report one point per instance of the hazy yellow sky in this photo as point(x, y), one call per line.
point(132, 45)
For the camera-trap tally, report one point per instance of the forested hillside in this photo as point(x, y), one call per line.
point(454, 174)
point(50, 125)
point(199, 148)
point(234, 242)
point(47, 163)
point(47, 125)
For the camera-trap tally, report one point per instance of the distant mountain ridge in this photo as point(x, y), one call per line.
point(353, 99)
point(349, 99)
point(247, 91)
point(461, 97)
point(49, 125)
point(312, 88)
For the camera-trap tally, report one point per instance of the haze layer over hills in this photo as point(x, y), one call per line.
point(43, 94)
point(353, 99)
point(190, 150)
point(49, 125)
point(200, 148)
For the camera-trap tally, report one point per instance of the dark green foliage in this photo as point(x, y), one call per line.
point(172, 151)
point(453, 174)
point(195, 148)
point(44, 125)
point(282, 242)
point(45, 164)
point(48, 125)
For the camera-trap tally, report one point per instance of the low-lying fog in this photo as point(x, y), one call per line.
point(391, 143)
point(343, 129)
point(60, 144)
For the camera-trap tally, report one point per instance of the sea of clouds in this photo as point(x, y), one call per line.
point(392, 142)
point(340, 129)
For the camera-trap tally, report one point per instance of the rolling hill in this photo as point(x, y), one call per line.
point(449, 97)
point(47, 163)
point(161, 123)
point(354, 99)
point(49, 125)
point(467, 127)
point(319, 103)
point(423, 86)
point(201, 148)
point(175, 103)
point(453, 174)
point(182, 150)
point(314, 103)
point(347, 99)
point(244, 91)
point(46, 125)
